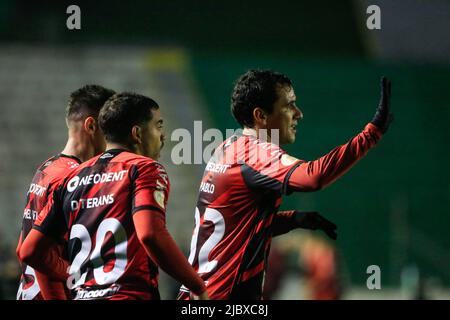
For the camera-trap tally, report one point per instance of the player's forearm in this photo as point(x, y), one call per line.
point(40, 253)
point(317, 174)
point(160, 246)
point(54, 267)
point(283, 222)
point(51, 289)
point(169, 257)
point(19, 244)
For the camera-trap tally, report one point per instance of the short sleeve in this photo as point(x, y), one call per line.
point(150, 187)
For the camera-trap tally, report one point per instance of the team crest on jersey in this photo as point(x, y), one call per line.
point(159, 197)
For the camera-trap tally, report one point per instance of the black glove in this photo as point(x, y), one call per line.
point(383, 117)
point(313, 221)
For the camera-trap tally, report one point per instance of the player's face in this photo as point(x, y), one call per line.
point(153, 136)
point(285, 115)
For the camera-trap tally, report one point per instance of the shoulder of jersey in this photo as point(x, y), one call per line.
point(59, 165)
point(68, 163)
point(134, 158)
point(47, 163)
point(253, 143)
point(138, 160)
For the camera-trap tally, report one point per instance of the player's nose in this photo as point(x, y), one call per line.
point(298, 114)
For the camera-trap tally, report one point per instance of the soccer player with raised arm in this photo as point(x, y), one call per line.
point(85, 140)
point(243, 184)
point(112, 210)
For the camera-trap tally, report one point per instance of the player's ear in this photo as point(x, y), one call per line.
point(90, 125)
point(136, 134)
point(260, 117)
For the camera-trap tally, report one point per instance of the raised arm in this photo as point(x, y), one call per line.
point(317, 174)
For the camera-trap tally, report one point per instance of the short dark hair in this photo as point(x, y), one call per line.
point(87, 101)
point(123, 111)
point(255, 88)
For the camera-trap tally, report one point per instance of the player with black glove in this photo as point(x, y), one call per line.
point(286, 221)
point(383, 116)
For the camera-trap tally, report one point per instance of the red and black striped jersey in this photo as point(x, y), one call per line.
point(47, 176)
point(94, 209)
point(239, 195)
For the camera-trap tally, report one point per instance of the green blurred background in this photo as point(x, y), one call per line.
point(392, 208)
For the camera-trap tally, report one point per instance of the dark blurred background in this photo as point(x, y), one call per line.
point(392, 209)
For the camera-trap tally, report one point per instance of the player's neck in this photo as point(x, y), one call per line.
point(79, 148)
point(113, 145)
point(259, 133)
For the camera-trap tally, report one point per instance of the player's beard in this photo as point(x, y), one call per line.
point(160, 148)
point(293, 133)
point(287, 136)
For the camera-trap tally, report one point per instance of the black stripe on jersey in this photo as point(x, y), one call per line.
point(90, 218)
point(108, 155)
point(97, 167)
point(54, 218)
point(133, 173)
point(147, 207)
point(287, 177)
point(255, 179)
point(80, 191)
point(248, 290)
point(255, 251)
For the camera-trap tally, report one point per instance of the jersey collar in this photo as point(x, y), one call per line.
point(71, 157)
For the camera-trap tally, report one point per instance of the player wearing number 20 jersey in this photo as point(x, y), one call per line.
point(240, 193)
point(97, 201)
point(112, 211)
point(48, 175)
